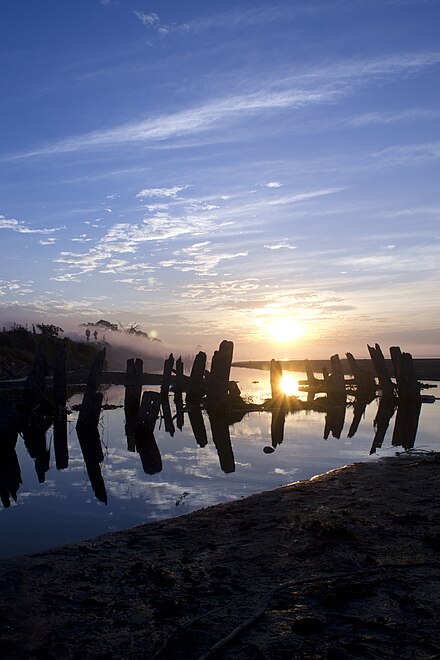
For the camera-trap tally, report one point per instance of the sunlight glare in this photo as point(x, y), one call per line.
point(289, 385)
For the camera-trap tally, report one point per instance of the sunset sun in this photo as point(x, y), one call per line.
point(285, 330)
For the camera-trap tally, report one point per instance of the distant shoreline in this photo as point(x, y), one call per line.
point(426, 368)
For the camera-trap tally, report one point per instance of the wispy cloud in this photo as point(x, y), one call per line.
point(22, 227)
point(161, 192)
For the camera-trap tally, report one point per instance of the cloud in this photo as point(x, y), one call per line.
point(294, 90)
point(273, 184)
point(151, 20)
point(22, 228)
point(160, 192)
point(278, 246)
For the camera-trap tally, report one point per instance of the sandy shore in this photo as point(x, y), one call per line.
point(343, 566)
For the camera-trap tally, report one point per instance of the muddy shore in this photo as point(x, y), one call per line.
point(345, 565)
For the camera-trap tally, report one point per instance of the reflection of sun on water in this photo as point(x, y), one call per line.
point(289, 385)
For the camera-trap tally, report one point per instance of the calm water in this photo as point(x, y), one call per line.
point(64, 508)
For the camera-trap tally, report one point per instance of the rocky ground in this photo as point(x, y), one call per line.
point(343, 566)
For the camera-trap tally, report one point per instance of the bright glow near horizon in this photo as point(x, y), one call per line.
point(202, 168)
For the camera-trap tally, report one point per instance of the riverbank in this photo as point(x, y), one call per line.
point(342, 566)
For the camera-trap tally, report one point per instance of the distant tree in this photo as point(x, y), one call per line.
point(49, 330)
point(87, 335)
point(95, 335)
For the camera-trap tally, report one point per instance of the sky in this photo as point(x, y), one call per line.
point(263, 172)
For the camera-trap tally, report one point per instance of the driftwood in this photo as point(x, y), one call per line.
point(218, 381)
point(91, 404)
point(195, 388)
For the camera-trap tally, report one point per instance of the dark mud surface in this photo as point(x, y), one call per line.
point(346, 565)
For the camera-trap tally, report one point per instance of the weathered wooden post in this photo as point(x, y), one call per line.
point(408, 387)
point(91, 404)
point(178, 389)
point(194, 391)
point(60, 374)
point(311, 379)
point(385, 384)
point(166, 377)
point(276, 375)
point(218, 382)
point(133, 387)
point(364, 380)
point(167, 418)
point(10, 476)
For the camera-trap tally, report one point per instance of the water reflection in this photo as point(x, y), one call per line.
point(214, 458)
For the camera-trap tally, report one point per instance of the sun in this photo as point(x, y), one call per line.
point(285, 331)
point(289, 385)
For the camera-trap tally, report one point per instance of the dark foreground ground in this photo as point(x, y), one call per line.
point(343, 566)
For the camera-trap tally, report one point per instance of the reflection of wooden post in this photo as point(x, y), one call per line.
point(166, 377)
point(198, 425)
point(194, 391)
point(92, 400)
point(168, 420)
point(276, 374)
point(381, 421)
point(222, 442)
point(148, 450)
point(36, 381)
point(91, 448)
point(60, 374)
point(149, 411)
point(60, 441)
point(277, 426)
point(218, 382)
point(380, 367)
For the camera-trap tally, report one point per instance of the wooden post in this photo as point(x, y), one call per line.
point(91, 404)
point(335, 383)
point(178, 385)
point(219, 377)
point(167, 418)
point(364, 380)
point(60, 374)
point(408, 386)
point(276, 374)
point(195, 387)
point(133, 387)
point(36, 381)
point(311, 380)
point(385, 384)
point(166, 377)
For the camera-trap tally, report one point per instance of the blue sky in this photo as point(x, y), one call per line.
point(257, 171)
